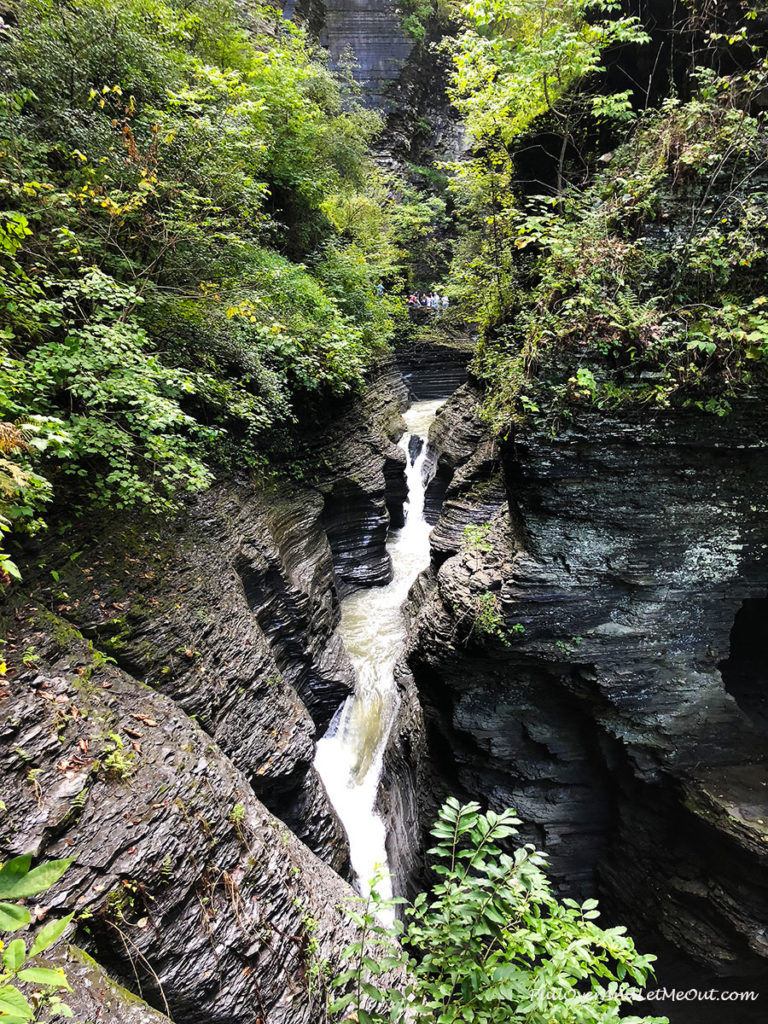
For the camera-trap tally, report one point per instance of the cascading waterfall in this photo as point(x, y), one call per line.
point(349, 756)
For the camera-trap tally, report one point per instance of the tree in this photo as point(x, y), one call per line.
point(490, 943)
point(516, 64)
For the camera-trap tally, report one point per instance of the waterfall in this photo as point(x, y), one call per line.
point(349, 756)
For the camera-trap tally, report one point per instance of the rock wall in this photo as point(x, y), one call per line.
point(595, 705)
point(95, 996)
point(166, 684)
point(364, 484)
point(434, 369)
point(182, 878)
point(372, 35)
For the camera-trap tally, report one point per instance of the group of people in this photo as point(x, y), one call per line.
point(421, 300)
point(431, 300)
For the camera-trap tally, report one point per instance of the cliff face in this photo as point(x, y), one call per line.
point(181, 874)
point(626, 552)
point(95, 996)
point(363, 483)
point(165, 688)
point(371, 35)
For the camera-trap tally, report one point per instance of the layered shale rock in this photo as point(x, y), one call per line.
point(182, 878)
point(363, 484)
point(436, 367)
point(571, 670)
point(167, 682)
point(464, 472)
point(369, 37)
point(233, 611)
point(95, 996)
point(233, 616)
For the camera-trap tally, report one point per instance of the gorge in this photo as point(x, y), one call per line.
point(338, 560)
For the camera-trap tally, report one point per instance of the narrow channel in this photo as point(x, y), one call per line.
point(349, 756)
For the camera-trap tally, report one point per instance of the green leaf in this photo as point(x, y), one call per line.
point(14, 955)
point(341, 1003)
point(12, 871)
point(13, 1003)
point(13, 917)
point(18, 886)
point(372, 991)
point(49, 934)
point(45, 976)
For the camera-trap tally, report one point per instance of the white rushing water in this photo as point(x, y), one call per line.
point(349, 756)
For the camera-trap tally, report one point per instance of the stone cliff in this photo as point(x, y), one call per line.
point(615, 702)
point(164, 692)
point(369, 36)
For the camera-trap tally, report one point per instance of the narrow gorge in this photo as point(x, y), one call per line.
point(384, 431)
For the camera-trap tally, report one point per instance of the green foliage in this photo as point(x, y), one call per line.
point(177, 285)
point(40, 986)
point(475, 537)
point(415, 15)
point(487, 621)
point(22, 491)
point(115, 762)
point(490, 943)
point(618, 298)
point(516, 64)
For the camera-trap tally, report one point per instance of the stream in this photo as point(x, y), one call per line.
point(349, 756)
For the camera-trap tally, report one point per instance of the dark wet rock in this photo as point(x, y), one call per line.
point(435, 368)
point(95, 996)
point(594, 704)
point(364, 486)
point(232, 615)
point(415, 446)
point(182, 878)
point(407, 796)
point(462, 466)
point(375, 37)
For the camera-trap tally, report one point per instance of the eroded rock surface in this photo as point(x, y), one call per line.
point(589, 697)
point(233, 616)
point(434, 368)
point(364, 485)
point(183, 876)
point(166, 682)
point(95, 996)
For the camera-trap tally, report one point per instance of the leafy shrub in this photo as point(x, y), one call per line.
point(486, 617)
point(475, 537)
point(175, 288)
point(646, 284)
point(40, 985)
point(490, 943)
point(628, 305)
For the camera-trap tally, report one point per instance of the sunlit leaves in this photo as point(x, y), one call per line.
point(490, 943)
point(18, 879)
